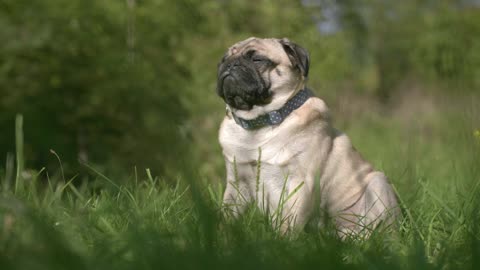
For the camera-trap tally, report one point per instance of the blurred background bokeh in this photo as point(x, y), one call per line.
point(131, 83)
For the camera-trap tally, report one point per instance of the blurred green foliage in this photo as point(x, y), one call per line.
point(94, 80)
point(132, 82)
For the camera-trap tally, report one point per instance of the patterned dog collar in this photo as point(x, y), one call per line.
point(275, 117)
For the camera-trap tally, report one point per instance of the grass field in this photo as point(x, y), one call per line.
point(139, 221)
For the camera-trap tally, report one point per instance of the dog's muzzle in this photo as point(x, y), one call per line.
point(241, 86)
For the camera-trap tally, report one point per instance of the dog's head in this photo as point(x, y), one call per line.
point(255, 71)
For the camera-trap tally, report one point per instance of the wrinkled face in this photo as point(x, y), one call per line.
point(253, 71)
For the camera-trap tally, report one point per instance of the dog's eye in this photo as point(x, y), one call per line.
point(259, 59)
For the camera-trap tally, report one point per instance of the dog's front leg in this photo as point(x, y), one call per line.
point(297, 207)
point(237, 194)
point(235, 198)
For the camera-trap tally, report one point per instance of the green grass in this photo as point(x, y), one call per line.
point(144, 222)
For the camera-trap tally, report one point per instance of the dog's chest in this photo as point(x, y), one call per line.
point(278, 146)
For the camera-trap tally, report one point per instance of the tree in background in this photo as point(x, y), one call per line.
point(401, 39)
point(84, 90)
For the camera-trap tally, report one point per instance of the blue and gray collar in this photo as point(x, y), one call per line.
point(275, 117)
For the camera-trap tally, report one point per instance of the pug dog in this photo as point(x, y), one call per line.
point(282, 152)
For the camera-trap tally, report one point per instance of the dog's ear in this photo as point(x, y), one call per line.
point(298, 56)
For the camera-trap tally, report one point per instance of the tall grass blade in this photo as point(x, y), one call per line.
point(19, 152)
